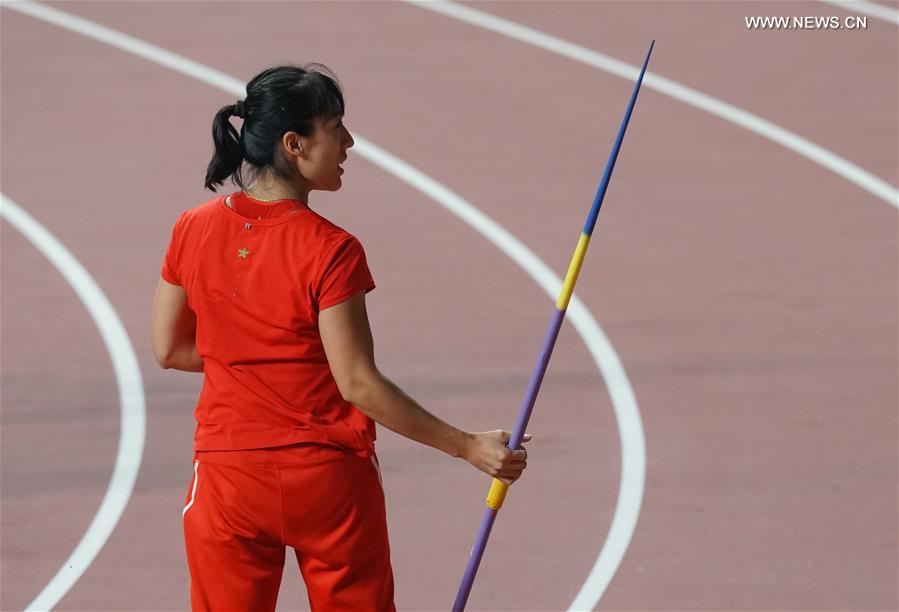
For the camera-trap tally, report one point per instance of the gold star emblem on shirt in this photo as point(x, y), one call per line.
point(242, 253)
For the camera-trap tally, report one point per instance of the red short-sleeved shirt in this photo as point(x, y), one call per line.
point(257, 275)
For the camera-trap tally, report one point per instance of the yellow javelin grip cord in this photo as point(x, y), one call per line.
point(574, 269)
point(497, 494)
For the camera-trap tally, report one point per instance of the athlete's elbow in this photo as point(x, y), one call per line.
point(165, 361)
point(166, 355)
point(353, 392)
point(162, 354)
point(359, 387)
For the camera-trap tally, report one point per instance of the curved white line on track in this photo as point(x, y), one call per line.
point(627, 413)
point(872, 9)
point(131, 400)
point(733, 114)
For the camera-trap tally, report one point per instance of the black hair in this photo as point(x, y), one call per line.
point(280, 99)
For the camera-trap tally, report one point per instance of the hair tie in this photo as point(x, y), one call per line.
point(239, 109)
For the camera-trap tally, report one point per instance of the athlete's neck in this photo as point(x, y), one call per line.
point(268, 187)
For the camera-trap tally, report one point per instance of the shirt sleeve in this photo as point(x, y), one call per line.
point(344, 273)
point(170, 270)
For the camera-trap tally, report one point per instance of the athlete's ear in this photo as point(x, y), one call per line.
point(293, 144)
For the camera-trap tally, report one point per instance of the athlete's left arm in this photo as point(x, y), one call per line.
point(173, 329)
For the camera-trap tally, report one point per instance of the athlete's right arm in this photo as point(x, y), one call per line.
point(173, 329)
point(346, 336)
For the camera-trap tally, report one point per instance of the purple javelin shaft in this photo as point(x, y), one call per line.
point(549, 341)
point(474, 559)
point(524, 414)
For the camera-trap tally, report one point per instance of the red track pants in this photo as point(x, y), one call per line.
point(244, 507)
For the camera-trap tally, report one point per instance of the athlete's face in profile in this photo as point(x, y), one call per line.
point(323, 152)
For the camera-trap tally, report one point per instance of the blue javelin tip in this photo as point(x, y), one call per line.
point(610, 165)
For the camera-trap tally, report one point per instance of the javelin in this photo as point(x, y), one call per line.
point(498, 489)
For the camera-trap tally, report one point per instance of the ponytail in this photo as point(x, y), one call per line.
point(280, 99)
point(227, 159)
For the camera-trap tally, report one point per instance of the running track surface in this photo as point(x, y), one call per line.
point(750, 293)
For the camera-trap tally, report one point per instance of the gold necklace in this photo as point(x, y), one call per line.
point(252, 197)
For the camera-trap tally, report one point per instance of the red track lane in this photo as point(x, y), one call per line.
point(750, 293)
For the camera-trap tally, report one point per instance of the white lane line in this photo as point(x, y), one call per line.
point(627, 413)
point(872, 9)
point(131, 400)
point(733, 114)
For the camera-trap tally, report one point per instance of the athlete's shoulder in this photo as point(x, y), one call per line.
point(204, 210)
point(329, 232)
point(198, 215)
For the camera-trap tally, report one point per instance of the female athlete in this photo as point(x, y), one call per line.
point(267, 298)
